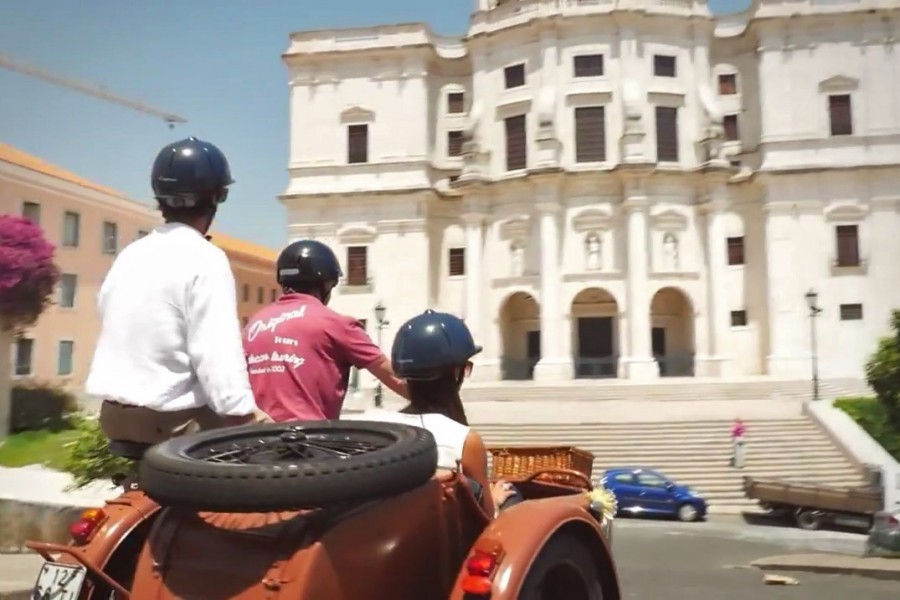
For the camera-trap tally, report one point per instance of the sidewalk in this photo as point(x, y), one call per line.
point(18, 573)
point(877, 568)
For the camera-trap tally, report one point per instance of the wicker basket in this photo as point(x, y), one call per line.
point(522, 461)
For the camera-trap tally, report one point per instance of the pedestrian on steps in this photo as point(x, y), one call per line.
point(738, 430)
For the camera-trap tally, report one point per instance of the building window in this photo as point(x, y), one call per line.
point(847, 245)
point(730, 125)
point(456, 103)
point(71, 229)
point(273, 295)
point(516, 143)
point(64, 360)
point(735, 250)
point(32, 212)
point(457, 262)
point(739, 318)
point(357, 265)
point(357, 144)
point(245, 293)
point(110, 242)
point(666, 134)
point(851, 312)
point(588, 65)
point(663, 66)
point(454, 143)
point(514, 76)
point(727, 84)
point(24, 352)
point(142, 233)
point(68, 284)
point(260, 295)
point(590, 134)
point(840, 113)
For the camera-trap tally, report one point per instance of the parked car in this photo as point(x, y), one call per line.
point(884, 537)
point(336, 510)
point(647, 492)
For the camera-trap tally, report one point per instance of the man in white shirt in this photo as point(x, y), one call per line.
point(169, 358)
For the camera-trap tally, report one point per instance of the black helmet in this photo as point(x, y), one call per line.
point(307, 261)
point(190, 173)
point(429, 344)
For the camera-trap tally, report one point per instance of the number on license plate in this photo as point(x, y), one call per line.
point(59, 582)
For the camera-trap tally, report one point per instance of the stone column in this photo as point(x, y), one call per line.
point(716, 361)
point(639, 364)
point(474, 223)
point(554, 365)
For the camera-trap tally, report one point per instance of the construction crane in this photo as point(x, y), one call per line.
point(97, 92)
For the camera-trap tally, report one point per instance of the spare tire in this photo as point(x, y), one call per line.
point(288, 466)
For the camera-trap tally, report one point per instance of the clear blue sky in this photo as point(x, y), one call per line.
point(217, 63)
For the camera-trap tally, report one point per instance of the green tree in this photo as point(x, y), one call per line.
point(883, 371)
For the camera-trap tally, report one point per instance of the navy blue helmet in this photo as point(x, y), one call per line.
point(307, 261)
point(430, 344)
point(190, 173)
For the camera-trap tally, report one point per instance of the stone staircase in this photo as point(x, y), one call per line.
point(696, 453)
point(669, 389)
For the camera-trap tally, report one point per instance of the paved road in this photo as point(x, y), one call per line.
point(660, 560)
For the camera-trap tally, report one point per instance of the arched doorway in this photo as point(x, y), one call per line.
point(595, 334)
point(520, 333)
point(672, 332)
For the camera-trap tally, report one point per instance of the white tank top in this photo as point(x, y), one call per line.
point(449, 435)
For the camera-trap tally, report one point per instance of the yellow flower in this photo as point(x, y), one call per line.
point(603, 501)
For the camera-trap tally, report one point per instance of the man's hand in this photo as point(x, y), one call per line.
point(501, 491)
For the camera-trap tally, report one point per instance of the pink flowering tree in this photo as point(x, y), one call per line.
point(28, 276)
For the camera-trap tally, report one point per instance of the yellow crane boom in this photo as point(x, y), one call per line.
point(13, 65)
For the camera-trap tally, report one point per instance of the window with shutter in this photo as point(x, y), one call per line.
point(730, 125)
point(590, 134)
point(357, 265)
point(588, 65)
point(851, 312)
point(666, 134)
point(456, 103)
point(516, 143)
point(735, 250)
point(664, 66)
point(847, 245)
point(514, 76)
point(727, 84)
point(357, 144)
point(840, 114)
point(457, 259)
point(454, 143)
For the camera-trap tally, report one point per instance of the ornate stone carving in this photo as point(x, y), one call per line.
point(593, 247)
point(670, 252)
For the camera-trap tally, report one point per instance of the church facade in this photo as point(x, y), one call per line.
point(610, 189)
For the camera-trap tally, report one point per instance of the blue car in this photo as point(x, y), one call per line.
point(648, 492)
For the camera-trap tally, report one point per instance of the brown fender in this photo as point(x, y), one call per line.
point(523, 530)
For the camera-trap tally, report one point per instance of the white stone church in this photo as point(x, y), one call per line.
point(613, 188)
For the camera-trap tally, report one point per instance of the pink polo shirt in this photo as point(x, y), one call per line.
point(299, 353)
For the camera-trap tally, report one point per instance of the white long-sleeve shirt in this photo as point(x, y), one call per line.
point(169, 334)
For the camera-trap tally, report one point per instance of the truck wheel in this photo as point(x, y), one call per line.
point(565, 568)
point(288, 466)
point(807, 519)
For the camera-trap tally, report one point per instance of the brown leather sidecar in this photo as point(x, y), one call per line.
point(369, 525)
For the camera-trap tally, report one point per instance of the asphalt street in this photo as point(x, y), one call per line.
point(661, 560)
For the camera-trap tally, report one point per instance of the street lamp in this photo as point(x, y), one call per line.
point(380, 324)
point(812, 298)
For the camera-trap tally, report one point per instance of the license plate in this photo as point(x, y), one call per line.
point(59, 582)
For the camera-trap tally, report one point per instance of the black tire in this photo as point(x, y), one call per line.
point(171, 475)
point(564, 568)
point(808, 519)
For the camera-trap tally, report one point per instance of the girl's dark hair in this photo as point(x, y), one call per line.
point(439, 395)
